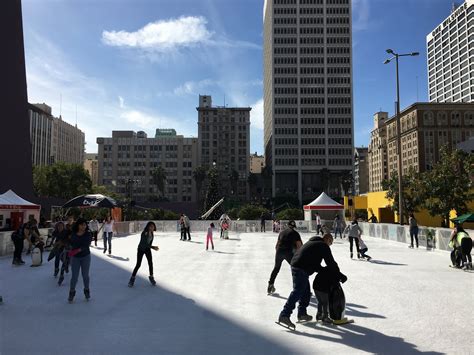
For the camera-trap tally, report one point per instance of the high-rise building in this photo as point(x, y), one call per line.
point(308, 125)
point(91, 164)
point(257, 163)
point(52, 139)
point(361, 171)
point(224, 142)
point(451, 57)
point(425, 128)
point(127, 160)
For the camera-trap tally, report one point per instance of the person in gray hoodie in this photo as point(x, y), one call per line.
point(354, 231)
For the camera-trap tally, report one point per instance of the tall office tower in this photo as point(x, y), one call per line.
point(308, 133)
point(451, 57)
point(127, 161)
point(224, 141)
point(361, 171)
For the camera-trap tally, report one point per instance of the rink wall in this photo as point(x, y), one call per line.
point(392, 232)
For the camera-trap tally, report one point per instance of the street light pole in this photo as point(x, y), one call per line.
point(399, 131)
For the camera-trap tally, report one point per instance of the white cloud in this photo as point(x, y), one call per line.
point(256, 115)
point(121, 102)
point(194, 87)
point(162, 35)
point(361, 17)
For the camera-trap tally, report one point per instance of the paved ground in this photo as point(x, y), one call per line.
point(404, 302)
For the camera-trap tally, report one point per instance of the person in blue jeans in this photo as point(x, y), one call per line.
point(80, 257)
point(305, 262)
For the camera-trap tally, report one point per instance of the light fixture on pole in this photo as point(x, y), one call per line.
point(399, 138)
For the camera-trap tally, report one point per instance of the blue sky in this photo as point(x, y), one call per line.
point(140, 65)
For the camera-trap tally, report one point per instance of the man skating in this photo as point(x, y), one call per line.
point(289, 240)
point(305, 262)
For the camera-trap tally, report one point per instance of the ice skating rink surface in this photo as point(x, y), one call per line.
point(403, 302)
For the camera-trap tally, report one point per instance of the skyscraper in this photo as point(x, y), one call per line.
point(451, 57)
point(308, 133)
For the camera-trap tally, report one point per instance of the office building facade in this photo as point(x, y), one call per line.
point(308, 124)
point(450, 55)
point(361, 171)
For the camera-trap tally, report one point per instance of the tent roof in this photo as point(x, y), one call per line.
point(10, 200)
point(323, 202)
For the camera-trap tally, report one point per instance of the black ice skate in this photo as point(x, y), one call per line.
point(319, 317)
point(131, 282)
point(304, 318)
point(285, 322)
point(72, 293)
point(61, 279)
point(152, 280)
point(326, 320)
point(56, 271)
point(87, 294)
point(270, 289)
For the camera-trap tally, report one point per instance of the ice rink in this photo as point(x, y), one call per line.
point(403, 302)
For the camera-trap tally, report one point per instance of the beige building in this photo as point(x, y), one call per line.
point(127, 159)
point(224, 141)
point(361, 171)
point(91, 164)
point(257, 163)
point(425, 128)
point(52, 139)
point(377, 152)
point(308, 120)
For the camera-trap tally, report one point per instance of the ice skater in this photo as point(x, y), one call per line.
point(337, 226)
point(413, 230)
point(363, 249)
point(94, 229)
point(322, 283)
point(305, 262)
point(80, 257)
point(318, 223)
point(60, 239)
point(108, 226)
point(461, 243)
point(209, 236)
point(354, 232)
point(288, 241)
point(144, 248)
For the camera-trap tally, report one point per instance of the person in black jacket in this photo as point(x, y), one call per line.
point(305, 262)
point(80, 257)
point(322, 284)
point(144, 248)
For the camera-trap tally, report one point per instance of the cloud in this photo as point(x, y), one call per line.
point(162, 35)
point(256, 115)
point(199, 87)
point(361, 15)
point(121, 102)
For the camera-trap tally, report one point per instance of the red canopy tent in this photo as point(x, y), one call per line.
point(322, 203)
point(16, 209)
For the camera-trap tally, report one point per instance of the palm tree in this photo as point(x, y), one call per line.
point(159, 178)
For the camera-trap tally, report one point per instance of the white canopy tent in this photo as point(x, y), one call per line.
point(16, 209)
point(322, 203)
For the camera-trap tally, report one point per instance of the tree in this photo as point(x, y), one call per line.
point(290, 214)
point(212, 196)
point(449, 184)
point(252, 212)
point(158, 176)
point(347, 181)
point(252, 181)
point(62, 180)
point(413, 191)
point(199, 175)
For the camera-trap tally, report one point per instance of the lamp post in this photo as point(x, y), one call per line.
point(399, 138)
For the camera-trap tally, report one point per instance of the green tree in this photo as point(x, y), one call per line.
point(199, 175)
point(62, 180)
point(449, 184)
point(413, 191)
point(252, 181)
point(291, 213)
point(213, 196)
point(251, 212)
point(347, 181)
point(158, 176)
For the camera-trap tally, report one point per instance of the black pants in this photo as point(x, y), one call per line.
point(279, 257)
point(183, 233)
point(262, 226)
point(319, 229)
point(414, 234)
point(187, 231)
point(456, 257)
point(140, 254)
point(323, 303)
point(466, 247)
point(351, 241)
point(363, 253)
point(94, 237)
point(18, 243)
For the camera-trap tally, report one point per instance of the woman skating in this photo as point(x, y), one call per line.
point(354, 232)
point(108, 233)
point(80, 257)
point(144, 248)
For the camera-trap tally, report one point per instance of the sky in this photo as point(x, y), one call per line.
point(141, 64)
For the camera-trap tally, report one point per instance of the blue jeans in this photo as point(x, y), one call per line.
point(301, 293)
point(108, 238)
point(82, 264)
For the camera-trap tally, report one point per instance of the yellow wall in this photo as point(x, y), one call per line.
point(379, 205)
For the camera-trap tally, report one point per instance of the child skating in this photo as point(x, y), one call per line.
point(363, 249)
point(324, 280)
point(209, 236)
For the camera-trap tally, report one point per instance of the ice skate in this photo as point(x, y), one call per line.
point(304, 318)
point(342, 321)
point(56, 271)
point(131, 282)
point(285, 322)
point(87, 294)
point(72, 293)
point(326, 320)
point(270, 289)
point(352, 255)
point(61, 279)
point(319, 317)
point(152, 280)
point(410, 246)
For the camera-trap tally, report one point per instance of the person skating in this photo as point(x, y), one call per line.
point(144, 248)
point(305, 262)
point(461, 243)
point(60, 238)
point(363, 249)
point(80, 257)
point(64, 257)
point(108, 233)
point(224, 220)
point(187, 227)
point(94, 229)
point(18, 237)
point(354, 232)
point(262, 222)
point(317, 217)
point(337, 226)
point(209, 236)
point(322, 283)
point(413, 230)
point(182, 228)
point(288, 241)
